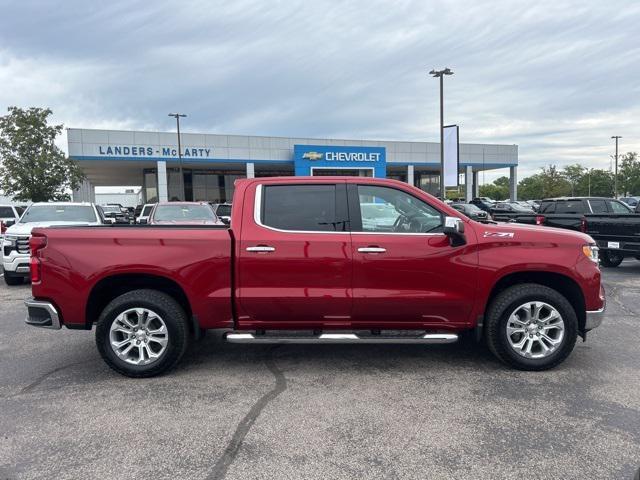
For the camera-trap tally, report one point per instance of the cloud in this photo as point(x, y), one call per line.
point(556, 78)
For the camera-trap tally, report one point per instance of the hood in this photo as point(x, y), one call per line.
point(25, 228)
point(518, 232)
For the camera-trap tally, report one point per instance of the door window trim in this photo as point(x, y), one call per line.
point(257, 210)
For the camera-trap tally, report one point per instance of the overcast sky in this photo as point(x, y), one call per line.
point(558, 78)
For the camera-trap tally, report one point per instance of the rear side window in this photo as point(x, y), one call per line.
point(569, 206)
point(147, 210)
point(309, 208)
point(598, 206)
point(547, 207)
point(6, 212)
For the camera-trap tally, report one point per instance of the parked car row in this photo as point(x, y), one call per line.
point(16, 229)
point(613, 224)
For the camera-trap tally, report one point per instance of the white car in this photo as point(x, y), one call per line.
point(145, 212)
point(15, 246)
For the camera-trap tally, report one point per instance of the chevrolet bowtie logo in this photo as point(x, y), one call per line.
point(313, 156)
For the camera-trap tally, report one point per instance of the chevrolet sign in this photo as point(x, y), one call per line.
point(313, 156)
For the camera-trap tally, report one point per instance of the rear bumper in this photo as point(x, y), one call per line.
point(42, 314)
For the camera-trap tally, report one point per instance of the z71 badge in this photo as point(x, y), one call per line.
point(498, 234)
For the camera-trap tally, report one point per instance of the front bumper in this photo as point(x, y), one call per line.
point(42, 314)
point(594, 318)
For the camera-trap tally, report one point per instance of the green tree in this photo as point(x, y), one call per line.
point(596, 183)
point(32, 167)
point(531, 188)
point(629, 174)
point(573, 174)
point(496, 190)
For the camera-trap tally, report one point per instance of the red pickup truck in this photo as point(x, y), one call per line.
point(319, 260)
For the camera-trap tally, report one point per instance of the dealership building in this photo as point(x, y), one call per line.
point(211, 162)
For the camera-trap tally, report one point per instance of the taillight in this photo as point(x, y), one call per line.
point(539, 219)
point(583, 225)
point(36, 243)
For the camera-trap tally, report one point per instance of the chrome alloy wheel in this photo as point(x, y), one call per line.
point(138, 336)
point(535, 330)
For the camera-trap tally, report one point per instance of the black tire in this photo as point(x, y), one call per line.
point(610, 259)
point(11, 279)
point(171, 313)
point(505, 303)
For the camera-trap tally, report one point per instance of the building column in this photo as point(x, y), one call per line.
point(410, 175)
point(84, 193)
point(251, 170)
point(476, 185)
point(163, 190)
point(513, 183)
point(468, 183)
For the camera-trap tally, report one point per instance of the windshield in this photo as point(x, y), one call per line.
point(111, 209)
point(166, 213)
point(59, 213)
point(6, 212)
point(224, 210)
point(472, 208)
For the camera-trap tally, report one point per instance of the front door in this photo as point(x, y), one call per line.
point(294, 258)
point(405, 270)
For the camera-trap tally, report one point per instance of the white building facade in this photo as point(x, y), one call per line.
point(211, 163)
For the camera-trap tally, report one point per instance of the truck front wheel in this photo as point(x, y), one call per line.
point(142, 333)
point(610, 259)
point(11, 279)
point(531, 327)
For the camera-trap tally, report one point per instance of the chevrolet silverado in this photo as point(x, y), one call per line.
point(302, 263)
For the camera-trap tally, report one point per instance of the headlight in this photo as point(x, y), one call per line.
point(591, 252)
point(9, 242)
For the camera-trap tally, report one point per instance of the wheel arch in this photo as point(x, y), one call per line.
point(111, 287)
point(563, 284)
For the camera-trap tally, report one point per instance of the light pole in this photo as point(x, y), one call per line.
point(177, 117)
point(440, 74)
point(590, 170)
point(615, 178)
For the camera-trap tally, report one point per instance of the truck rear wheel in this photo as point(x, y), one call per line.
point(611, 259)
point(531, 327)
point(142, 333)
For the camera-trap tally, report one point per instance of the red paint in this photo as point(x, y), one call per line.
point(313, 280)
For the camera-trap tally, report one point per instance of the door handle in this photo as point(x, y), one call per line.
point(261, 249)
point(372, 250)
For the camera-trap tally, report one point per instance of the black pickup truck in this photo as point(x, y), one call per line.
point(612, 224)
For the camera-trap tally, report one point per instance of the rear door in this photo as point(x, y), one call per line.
point(405, 272)
point(294, 256)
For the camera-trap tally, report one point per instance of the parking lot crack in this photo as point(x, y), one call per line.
point(32, 386)
point(233, 448)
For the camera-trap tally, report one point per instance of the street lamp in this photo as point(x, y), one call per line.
point(177, 117)
point(615, 178)
point(440, 74)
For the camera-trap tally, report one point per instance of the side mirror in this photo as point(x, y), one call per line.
point(454, 229)
point(143, 221)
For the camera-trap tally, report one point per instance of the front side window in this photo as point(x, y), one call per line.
point(310, 208)
point(59, 213)
point(617, 207)
point(388, 210)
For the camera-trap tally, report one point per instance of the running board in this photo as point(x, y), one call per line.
point(429, 338)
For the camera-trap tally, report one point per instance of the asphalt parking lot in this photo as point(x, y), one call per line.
point(306, 412)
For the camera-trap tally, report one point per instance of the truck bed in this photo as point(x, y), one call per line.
point(78, 263)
